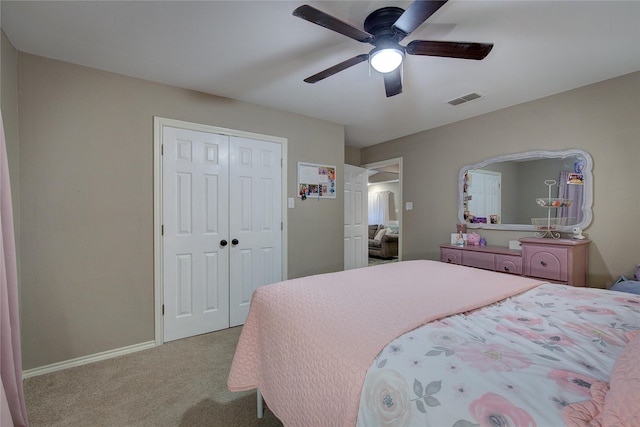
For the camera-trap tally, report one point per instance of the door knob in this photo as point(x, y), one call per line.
point(223, 243)
point(235, 242)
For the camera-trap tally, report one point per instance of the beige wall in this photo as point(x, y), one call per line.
point(352, 155)
point(86, 197)
point(601, 118)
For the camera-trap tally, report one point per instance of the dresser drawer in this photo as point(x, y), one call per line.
point(478, 259)
point(451, 256)
point(509, 264)
point(546, 262)
point(555, 260)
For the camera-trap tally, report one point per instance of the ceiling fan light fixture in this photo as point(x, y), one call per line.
point(386, 59)
point(385, 28)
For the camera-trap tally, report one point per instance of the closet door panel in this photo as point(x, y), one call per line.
point(255, 221)
point(195, 219)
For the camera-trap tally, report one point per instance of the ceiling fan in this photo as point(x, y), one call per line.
point(384, 29)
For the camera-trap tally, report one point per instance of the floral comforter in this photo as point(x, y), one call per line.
point(514, 363)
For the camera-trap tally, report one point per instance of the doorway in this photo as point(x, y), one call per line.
point(484, 196)
point(384, 181)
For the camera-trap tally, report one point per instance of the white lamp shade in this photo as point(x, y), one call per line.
point(386, 60)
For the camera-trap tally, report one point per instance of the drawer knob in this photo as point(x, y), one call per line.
point(506, 268)
point(448, 259)
point(542, 263)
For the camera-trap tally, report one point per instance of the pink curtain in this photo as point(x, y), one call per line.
point(12, 407)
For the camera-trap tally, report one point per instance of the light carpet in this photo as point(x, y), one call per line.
point(181, 383)
point(377, 261)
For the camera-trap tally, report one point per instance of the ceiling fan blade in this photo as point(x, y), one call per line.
point(325, 20)
point(418, 12)
point(393, 82)
point(337, 68)
point(463, 50)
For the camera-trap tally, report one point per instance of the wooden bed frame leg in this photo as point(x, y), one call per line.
point(260, 403)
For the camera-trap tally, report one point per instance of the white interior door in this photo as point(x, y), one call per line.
point(195, 220)
point(484, 193)
point(255, 222)
point(355, 217)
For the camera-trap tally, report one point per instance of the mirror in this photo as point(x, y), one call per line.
point(507, 192)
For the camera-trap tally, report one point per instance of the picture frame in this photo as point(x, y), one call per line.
point(316, 181)
point(575, 179)
point(493, 218)
point(459, 239)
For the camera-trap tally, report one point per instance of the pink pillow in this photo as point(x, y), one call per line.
point(631, 335)
point(613, 404)
point(622, 403)
point(588, 412)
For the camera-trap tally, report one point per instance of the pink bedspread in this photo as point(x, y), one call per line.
point(307, 343)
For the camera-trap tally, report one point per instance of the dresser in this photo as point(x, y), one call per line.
point(556, 260)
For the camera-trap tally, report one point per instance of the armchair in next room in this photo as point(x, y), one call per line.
point(383, 242)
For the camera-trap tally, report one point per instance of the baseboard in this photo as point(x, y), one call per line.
point(58, 366)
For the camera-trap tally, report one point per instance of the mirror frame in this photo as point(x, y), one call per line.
point(587, 204)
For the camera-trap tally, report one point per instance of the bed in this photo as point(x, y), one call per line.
point(424, 343)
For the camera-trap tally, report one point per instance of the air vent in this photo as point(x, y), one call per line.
point(464, 99)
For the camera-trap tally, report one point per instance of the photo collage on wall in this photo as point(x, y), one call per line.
point(316, 181)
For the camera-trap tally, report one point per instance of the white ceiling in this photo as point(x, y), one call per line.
point(257, 51)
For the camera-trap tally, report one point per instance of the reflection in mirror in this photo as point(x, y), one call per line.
point(503, 192)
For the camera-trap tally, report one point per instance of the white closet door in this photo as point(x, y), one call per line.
point(195, 217)
point(255, 220)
